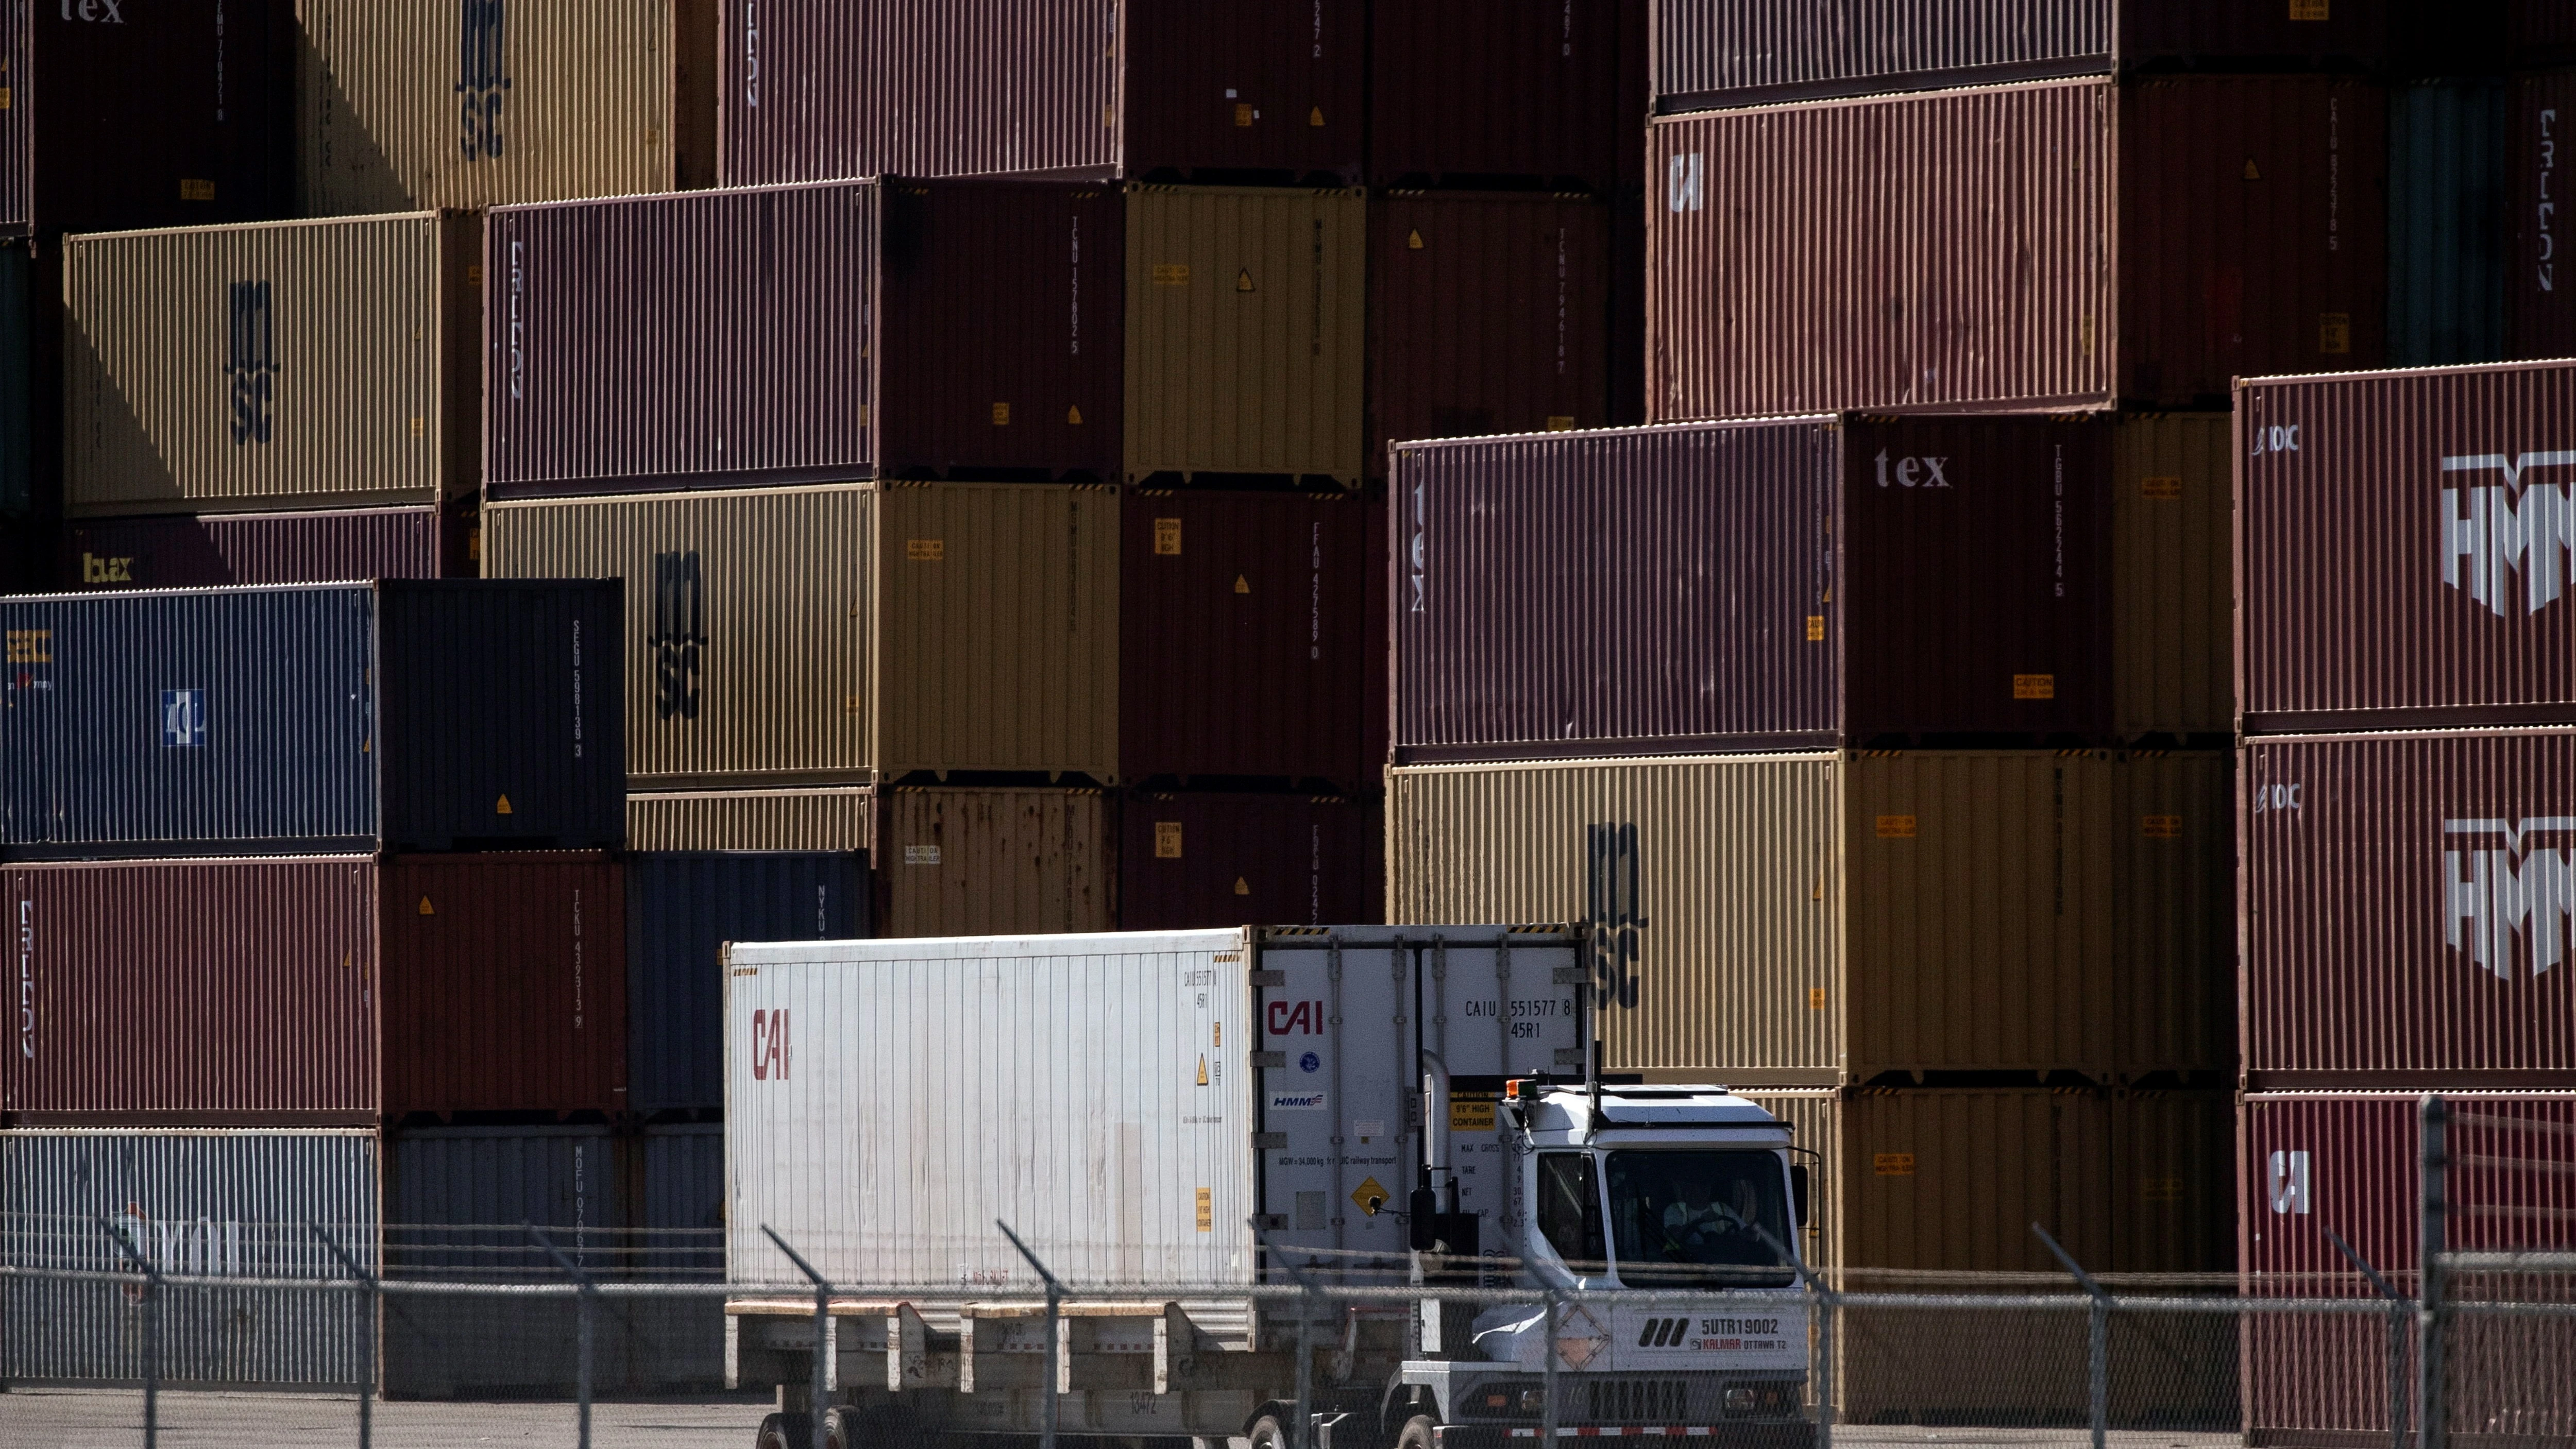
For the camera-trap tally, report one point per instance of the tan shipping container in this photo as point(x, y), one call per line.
point(1246, 332)
point(985, 862)
point(834, 818)
point(272, 367)
point(405, 104)
point(848, 633)
point(2173, 582)
point(1831, 919)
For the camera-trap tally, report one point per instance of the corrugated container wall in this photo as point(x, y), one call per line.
point(261, 368)
point(403, 715)
point(1487, 314)
point(1268, 89)
point(1776, 50)
point(984, 862)
point(1829, 919)
point(319, 989)
point(680, 910)
point(2406, 911)
point(739, 337)
point(1246, 333)
point(2402, 549)
point(217, 550)
point(840, 820)
point(170, 116)
point(948, 626)
point(2350, 1163)
point(226, 1204)
point(1468, 92)
point(2173, 600)
point(2541, 313)
point(2446, 222)
point(1247, 640)
point(2058, 244)
point(1893, 581)
point(1191, 860)
point(406, 104)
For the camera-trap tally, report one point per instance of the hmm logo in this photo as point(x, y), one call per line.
point(2492, 895)
point(2491, 530)
point(481, 28)
point(2286, 1181)
point(1685, 182)
point(1611, 907)
point(250, 361)
point(769, 1054)
point(679, 637)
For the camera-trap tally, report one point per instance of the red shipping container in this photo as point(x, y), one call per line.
point(2351, 1163)
point(2402, 549)
point(266, 548)
point(1197, 860)
point(2050, 245)
point(2540, 278)
point(1249, 636)
point(315, 990)
point(1468, 92)
point(2405, 904)
point(1249, 90)
point(1488, 313)
point(805, 334)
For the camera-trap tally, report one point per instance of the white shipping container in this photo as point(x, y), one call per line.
point(1129, 1103)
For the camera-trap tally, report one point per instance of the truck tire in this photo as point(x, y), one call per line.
point(1416, 1433)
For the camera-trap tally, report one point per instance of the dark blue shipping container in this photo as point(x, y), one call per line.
point(397, 716)
point(2446, 223)
point(681, 907)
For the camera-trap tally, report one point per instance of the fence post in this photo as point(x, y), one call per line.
point(1054, 1334)
point(2397, 1314)
point(2433, 1227)
point(2097, 1355)
point(366, 1336)
point(822, 1336)
point(1547, 1373)
point(151, 1330)
point(581, 1333)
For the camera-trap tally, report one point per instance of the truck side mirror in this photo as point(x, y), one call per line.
point(1422, 1219)
point(1798, 1190)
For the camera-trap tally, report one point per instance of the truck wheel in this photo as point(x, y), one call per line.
point(786, 1431)
point(1417, 1433)
point(1269, 1433)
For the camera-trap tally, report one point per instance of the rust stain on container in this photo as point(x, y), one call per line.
point(2406, 910)
point(2402, 550)
point(836, 818)
point(1487, 314)
point(2054, 244)
point(1200, 859)
point(270, 367)
point(1144, 89)
point(987, 862)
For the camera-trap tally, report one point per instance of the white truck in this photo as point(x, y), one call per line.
point(1171, 1123)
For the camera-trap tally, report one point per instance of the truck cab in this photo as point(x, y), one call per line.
point(1678, 1188)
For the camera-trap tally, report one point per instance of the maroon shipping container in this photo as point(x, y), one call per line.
point(1467, 92)
point(316, 990)
point(117, 117)
point(2351, 1163)
point(266, 548)
point(2540, 279)
point(1247, 638)
point(1806, 583)
point(1249, 90)
point(2060, 244)
point(805, 334)
point(1187, 861)
point(2405, 901)
point(1488, 313)
point(2402, 549)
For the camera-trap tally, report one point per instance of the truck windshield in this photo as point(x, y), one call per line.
point(1690, 1218)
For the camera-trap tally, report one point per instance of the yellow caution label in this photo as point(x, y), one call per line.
point(2034, 686)
point(1471, 1112)
point(424, 907)
point(2252, 171)
point(2160, 1189)
point(502, 807)
point(1413, 241)
point(1243, 280)
point(925, 550)
point(1001, 415)
point(1315, 117)
point(1242, 584)
point(2160, 827)
point(1167, 536)
point(1892, 1164)
point(2160, 487)
point(2308, 9)
point(1207, 1211)
point(1815, 628)
point(1073, 417)
point(2334, 333)
point(1815, 998)
point(1242, 887)
point(1560, 422)
point(1167, 840)
point(1369, 1195)
point(193, 189)
point(1243, 113)
point(1171, 274)
point(1896, 827)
